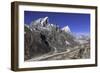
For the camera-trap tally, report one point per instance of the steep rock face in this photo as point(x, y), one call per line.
point(35, 44)
point(27, 42)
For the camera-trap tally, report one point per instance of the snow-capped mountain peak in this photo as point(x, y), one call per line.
point(44, 21)
point(66, 29)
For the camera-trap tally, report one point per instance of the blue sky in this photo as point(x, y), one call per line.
point(78, 23)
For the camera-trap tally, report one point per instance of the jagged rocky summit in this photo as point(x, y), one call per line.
point(42, 37)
